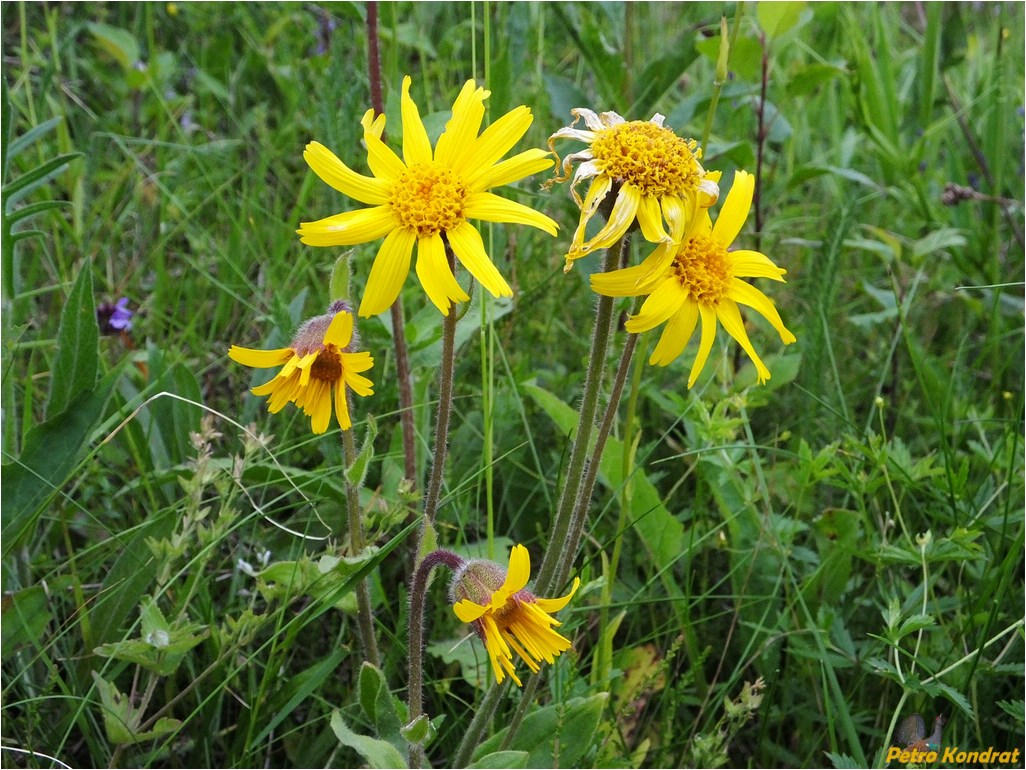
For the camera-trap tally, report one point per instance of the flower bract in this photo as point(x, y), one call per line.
point(508, 617)
point(427, 197)
point(639, 171)
point(315, 370)
point(699, 279)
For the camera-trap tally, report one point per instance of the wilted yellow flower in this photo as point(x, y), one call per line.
point(506, 616)
point(426, 197)
point(315, 365)
point(699, 278)
point(639, 170)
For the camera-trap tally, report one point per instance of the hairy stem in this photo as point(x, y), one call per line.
point(364, 617)
point(555, 553)
point(418, 597)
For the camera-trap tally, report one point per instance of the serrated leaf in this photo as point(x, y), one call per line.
point(842, 761)
point(77, 360)
point(378, 753)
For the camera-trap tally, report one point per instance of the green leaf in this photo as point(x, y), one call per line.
point(418, 730)
point(47, 460)
point(378, 753)
point(16, 190)
point(32, 134)
point(25, 616)
point(299, 688)
point(122, 721)
point(777, 18)
point(379, 706)
point(357, 472)
point(119, 43)
point(556, 735)
point(661, 533)
point(78, 356)
point(511, 759)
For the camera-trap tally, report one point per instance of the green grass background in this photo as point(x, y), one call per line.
point(850, 534)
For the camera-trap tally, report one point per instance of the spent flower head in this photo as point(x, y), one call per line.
point(699, 278)
point(317, 365)
point(427, 196)
point(506, 616)
point(640, 171)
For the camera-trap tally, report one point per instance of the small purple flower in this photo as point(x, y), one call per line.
point(114, 318)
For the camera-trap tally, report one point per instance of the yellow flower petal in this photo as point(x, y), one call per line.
point(625, 209)
point(676, 335)
point(468, 247)
point(468, 611)
point(555, 605)
point(510, 170)
point(735, 208)
point(391, 265)
point(665, 300)
point(349, 228)
point(461, 130)
point(754, 264)
point(435, 276)
point(416, 145)
point(384, 163)
point(495, 141)
point(730, 317)
point(340, 330)
point(748, 295)
point(705, 345)
point(650, 220)
point(259, 359)
point(491, 208)
point(342, 407)
point(357, 362)
point(337, 174)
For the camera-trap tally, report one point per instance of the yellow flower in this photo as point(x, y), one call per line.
point(699, 278)
point(640, 171)
point(506, 616)
point(426, 197)
point(315, 364)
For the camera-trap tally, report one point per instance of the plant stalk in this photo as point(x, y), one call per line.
point(364, 616)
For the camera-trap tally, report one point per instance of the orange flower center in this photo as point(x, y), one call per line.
point(328, 365)
point(428, 198)
point(703, 268)
point(651, 157)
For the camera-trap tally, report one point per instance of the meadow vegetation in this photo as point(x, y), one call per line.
point(799, 565)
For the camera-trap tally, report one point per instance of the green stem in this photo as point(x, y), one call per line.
point(445, 379)
point(482, 716)
point(602, 663)
point(418, 597)
point(364, 617)
point(580, 512)
point(556, 553)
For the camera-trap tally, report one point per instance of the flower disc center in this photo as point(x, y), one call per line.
point(327, 366)
point(651, 157)
point(702, 267)
point(428, 198)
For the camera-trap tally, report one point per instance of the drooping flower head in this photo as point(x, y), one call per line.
point(427, 197)
point(640, 171)
point(506, 616)
point(316, 366)
point(700, 279)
